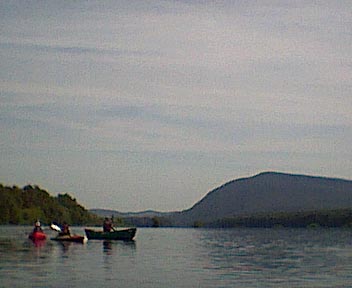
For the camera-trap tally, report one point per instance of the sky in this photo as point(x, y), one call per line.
point(136, 105)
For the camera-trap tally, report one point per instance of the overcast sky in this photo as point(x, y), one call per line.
point(135, 105)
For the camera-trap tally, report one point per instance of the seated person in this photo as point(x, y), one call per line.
point(65, 230)
point(107, 225)
point(37, 227)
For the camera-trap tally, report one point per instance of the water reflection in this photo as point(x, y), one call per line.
point(38, 243)
point(240, 254)
point(109, 246)
point(26, 257)
point(65, 246)
point(272, 256)
point(204, 258)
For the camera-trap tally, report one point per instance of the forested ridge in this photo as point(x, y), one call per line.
point(26, 205)
point(301, 219)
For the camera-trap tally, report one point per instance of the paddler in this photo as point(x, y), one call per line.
point(107, 225)
point(65, 230)
point(37, 227)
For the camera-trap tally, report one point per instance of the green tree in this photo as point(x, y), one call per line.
point(24, 206)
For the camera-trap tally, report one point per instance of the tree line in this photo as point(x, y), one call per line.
point(301, 219)
point(26, 205)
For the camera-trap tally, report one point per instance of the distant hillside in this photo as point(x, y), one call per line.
point(109, 213)
point(268, 192)
point(148, 218)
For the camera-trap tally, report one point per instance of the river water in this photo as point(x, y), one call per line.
point(181, 258)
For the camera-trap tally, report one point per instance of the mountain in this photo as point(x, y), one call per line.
point(266, 193)
point(109, 213)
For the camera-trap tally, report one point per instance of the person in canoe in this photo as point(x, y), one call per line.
point(65, 230)
point(107, 225)
point(37, 227)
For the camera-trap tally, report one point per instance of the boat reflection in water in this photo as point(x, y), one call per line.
point(65, 246)
point(111, 246)
point(38, 243)
point(107, 247)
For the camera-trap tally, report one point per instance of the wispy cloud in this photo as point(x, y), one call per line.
point(79, 50)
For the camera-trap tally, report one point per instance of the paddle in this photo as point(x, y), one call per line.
point(55, 227)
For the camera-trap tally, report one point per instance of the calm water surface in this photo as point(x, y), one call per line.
point(181, 258)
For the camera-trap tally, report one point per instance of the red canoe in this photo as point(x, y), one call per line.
point(37, 236)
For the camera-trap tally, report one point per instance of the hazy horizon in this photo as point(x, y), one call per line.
point(131, 106)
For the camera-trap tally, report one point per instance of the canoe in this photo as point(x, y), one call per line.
point(125, 234)
point(70, 238)
point(37, 235)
